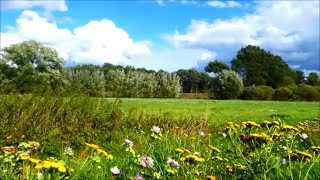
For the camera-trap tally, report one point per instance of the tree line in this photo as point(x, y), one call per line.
point(31, 67)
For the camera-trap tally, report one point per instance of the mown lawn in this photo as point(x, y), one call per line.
point(227, 110)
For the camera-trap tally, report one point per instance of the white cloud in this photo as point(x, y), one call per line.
point(173, 59)
point(48, 5)
point(223, 4)
point(207, 56)
point(96, 42)
point(286, 28)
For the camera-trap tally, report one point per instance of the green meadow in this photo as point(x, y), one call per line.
point(104, 138)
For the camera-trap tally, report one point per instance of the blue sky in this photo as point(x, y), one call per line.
point(167, 35)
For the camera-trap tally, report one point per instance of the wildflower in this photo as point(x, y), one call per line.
point(217, 158)
point(47, 164)
point(249, 124)
point(25, 157)
point(192, 158)
point(92, 145)
point(157, 175)
point(284, 148)
point(288, 127)
point(249, 137)
point(138, 177)
point(182, 150)
point(36, 161)
point(146, 161)
point(173, 163)
point(228, 168)
point(196, 172)
point(128, 142)
point(303, 135)
point(156, 129)
point(315, 148)
point(283, 161)
point(224, 135)
point(214, 149)
point(242, 167)
point(208, 177)
point(202, 134)
point(62, 169)
point(68, 149)
point(115, 170)
point(39, 175)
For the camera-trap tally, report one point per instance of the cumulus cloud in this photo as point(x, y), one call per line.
point(48, 5)
point(286, 28)
point(223, 4)
point(96, 42)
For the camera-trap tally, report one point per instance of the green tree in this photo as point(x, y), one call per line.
point(300, 77)
point(227, 85)
point(216, 66)
point(31, 67)
point(259, 67)
point(313, 79)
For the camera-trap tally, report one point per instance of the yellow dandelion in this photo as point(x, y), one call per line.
point(92, 146)
point(315, 148)
point(249, 124)
point(38, 166)
point(196, 172)
point(62, 169)
point(218, 158)
point(228, 168)
point(35, 161)
point(179, 150)
point(208, 177)
point(56, 164)
point(46, 164)
point(25, 157)
point(214, 149)
point(192, 158)
point(288, 127)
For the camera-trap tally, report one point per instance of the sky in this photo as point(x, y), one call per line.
point(165, 34)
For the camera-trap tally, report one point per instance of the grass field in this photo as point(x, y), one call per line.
point(84, 138)
point(220, 111)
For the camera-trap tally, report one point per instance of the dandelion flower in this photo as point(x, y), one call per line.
point(315, 148)
point(208, 177)
point(92, 145)
point(115, 170)
point(214, 149)
point(62, 169)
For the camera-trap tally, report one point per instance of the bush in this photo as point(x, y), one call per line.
point(282, 94)
point(258, 93)
point(227, 85)
point(309, 93)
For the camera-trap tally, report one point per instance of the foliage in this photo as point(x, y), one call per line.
point(216, 66)
point(259, 67)
point(193, 81)
point(313, 79)
point(227, 85)
point(249, 150)
point(282, 94)
point(30, 67)
point(309, 93)
point(258, 93)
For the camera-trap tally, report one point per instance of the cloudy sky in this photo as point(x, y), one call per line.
point(169, 35)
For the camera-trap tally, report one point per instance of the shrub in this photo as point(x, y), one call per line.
point(258, 93)
point(282, 94)
point(309, 93)
point(227, 85)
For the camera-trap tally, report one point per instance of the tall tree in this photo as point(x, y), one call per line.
point(30, 65)
point(313, 79)
point(259, 67)
point(300, 77)
point(216, 66)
